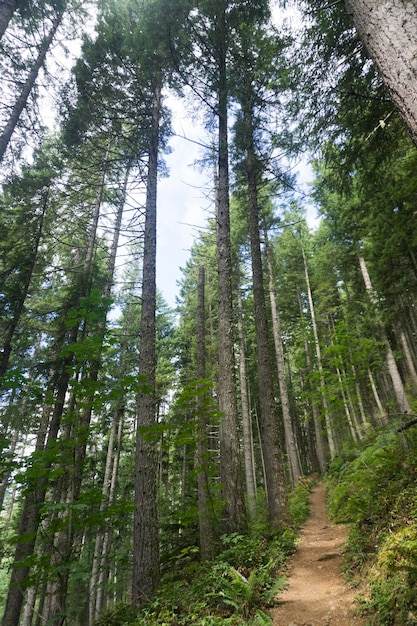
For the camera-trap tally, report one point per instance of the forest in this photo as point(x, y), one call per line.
point(156, 460)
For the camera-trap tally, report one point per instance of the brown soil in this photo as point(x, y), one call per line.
point(317, 594)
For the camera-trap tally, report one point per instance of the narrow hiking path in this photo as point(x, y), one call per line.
point(317, 594)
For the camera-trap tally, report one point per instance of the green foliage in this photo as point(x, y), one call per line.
point(375, 490)
point(118, 615)
point(237, 587)
point(298, 501)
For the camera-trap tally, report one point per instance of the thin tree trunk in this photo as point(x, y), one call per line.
point(382, 412)
point(30, 518)
point(390, 360)
point(246, 416)
point(145, 575)
point(329, 429)
point(349, 418)
point(108, 491)
point(11, 329)
point(318, 430)
point(290, 441)
point(7, 473)
point(388, 31)
point(359, 400)
point(205, 517)
point(22, 99)
point(30, 601)
point(64, 540)
point(408, 357)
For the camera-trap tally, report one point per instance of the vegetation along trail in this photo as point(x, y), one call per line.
point(317, 594)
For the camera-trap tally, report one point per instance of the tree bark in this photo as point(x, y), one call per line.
point(145, 574)
point(290, 442)
point(7, 10)
point(321, 452)
point(329, 429)
point(389, 355)
point(22, 98)
point(9, 334)
point(247, 434)
point(230, 460)
point(205, 517)
point(268, 418)
point(388, 31)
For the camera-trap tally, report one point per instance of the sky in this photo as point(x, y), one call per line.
point(185, 201)
point(185, 195)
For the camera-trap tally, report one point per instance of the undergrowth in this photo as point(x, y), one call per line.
point(237, 587)
point(374, 490)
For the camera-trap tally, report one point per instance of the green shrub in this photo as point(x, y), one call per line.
point(236, 588)
point(375, 491)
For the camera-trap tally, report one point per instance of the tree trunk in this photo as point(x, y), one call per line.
point(145, 574)
point(408, 357)
point(388, 31)
point(390, 360)
point(230, 461)
point(7, 9)
point(382, 412)
point(22, 99)
point(290, 442)
point(247, 434)
point(106, 542)
point(329, 429)
point(318, 430)
point(205, 517)
point(9, 333)
point(64, 540)
point(30, 517)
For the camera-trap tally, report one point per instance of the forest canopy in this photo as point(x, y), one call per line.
point(138, 437)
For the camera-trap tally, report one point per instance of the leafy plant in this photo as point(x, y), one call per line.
point(376, 492)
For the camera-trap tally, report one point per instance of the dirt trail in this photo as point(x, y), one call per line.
point(317, 594)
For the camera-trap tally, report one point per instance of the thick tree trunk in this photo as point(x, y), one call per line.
point(145, 574)
point(22, 98)
point(230, 460)
point(7, 9)
point(268, 418)
point(388, 30)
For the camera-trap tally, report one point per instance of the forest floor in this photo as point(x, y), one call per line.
point(317, 594)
